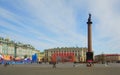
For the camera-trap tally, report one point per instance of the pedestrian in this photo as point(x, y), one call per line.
point(54, 64)
point(73, 64)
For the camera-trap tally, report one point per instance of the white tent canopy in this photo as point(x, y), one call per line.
point(1, 56)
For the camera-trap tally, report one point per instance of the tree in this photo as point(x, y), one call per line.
point(25, 56)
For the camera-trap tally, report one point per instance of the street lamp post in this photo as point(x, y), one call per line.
point(15, 50)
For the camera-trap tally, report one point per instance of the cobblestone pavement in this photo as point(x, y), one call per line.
point(61, 69)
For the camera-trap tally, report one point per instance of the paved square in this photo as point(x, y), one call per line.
point(62, 69)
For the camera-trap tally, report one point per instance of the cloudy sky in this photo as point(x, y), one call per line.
point(62, 23)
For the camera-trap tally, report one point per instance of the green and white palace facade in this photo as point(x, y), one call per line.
point(9, 47)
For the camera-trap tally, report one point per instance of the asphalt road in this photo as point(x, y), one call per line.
point(61, 69)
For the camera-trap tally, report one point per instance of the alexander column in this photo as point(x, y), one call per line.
point(89, 54)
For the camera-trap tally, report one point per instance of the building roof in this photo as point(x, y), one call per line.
point(112, 54)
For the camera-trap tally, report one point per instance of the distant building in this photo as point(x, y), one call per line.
point(41, 56)
point(107, 58)
point(79, 53)
point(9, 47)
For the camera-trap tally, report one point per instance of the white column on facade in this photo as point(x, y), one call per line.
point(0, 48)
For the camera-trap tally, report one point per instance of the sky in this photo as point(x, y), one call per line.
point(62, 23)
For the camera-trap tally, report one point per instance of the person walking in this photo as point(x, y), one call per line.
point(54, 64)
